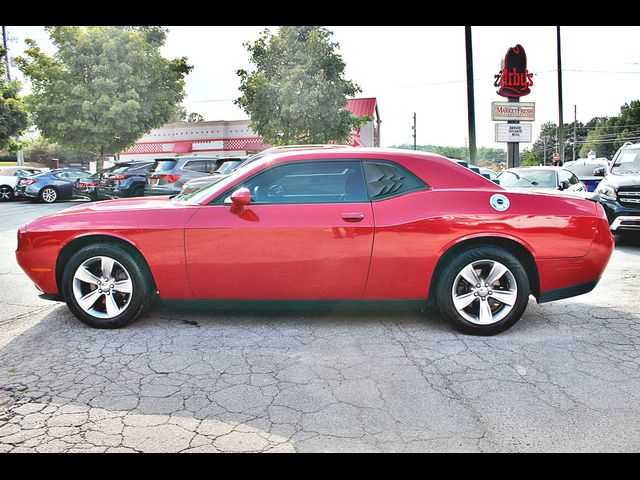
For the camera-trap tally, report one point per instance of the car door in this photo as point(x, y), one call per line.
point(307, 234)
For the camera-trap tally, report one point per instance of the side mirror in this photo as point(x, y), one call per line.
point(599, 172)
point(240, 199)
point(564, 185)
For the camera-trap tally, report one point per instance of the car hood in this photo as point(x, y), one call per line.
point(123, 204)
point(628, 180)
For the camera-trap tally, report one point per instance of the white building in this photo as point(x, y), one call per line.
point(230, 138)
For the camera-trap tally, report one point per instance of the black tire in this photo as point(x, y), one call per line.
point(444, 290)
point(138, 191)
point(138, 301)
point(48, 195)
point(6, 193)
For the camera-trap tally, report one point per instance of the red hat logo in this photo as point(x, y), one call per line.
point(514, 79)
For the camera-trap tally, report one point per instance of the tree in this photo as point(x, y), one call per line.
point(296, 92)
point(40, 150)
point(13, 112)
point(105, 86)
point(610, 133)
point(195, 117)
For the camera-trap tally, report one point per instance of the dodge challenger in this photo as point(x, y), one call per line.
point(324, 227)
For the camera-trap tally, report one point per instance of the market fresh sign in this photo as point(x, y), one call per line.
point(513, 111)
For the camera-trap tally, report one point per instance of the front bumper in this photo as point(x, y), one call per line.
point(621, 217)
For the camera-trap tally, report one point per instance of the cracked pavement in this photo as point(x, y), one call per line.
point(565, 378)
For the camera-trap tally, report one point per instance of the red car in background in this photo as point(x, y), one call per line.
point(375, 226)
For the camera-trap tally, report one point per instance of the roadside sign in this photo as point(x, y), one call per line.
point(513, 111)
point(513, 132)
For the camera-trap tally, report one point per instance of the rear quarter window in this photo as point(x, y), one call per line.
point(164, 165)
point(386, 180)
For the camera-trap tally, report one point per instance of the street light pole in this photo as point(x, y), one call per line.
point(470, 97)
point(414, 130)
point(560, 122)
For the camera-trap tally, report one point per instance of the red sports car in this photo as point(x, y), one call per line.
point(325, 226)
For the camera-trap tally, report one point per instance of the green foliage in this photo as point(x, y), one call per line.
point(105, 86)
point(13, 112)
point(486, 156)
point(296, 92)
point(610, 133)
point(195, 117)
point(41, 150)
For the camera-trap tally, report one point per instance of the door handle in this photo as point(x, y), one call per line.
point(353, 217)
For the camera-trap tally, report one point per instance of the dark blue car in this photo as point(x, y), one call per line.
point(51, 186)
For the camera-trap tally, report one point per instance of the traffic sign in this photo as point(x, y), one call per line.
point(556, 157)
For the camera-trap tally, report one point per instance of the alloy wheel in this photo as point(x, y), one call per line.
point(102, 287)
point(49, 195)
point(484, 292)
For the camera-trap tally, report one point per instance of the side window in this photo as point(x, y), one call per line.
point(573, 180)
point(386, 180)
point(565, 176)
point(309, 182)
point(62, 175)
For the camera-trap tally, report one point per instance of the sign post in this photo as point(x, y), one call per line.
point(514, 81)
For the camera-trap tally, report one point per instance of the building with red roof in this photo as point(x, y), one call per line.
point(230, 138)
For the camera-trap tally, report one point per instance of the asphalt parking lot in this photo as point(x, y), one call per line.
point(565, 378)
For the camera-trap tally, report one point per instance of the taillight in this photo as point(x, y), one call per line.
point(170, 178)
point(27, 181)
point(118, 177)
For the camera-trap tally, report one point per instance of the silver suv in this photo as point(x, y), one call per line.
point(168, 175)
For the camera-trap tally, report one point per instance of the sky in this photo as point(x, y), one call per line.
point(422, 69)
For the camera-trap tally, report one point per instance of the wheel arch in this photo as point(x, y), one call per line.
point(514, 246)
point(75, 244)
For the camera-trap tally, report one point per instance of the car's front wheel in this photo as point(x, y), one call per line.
point(106, 285)
point(483, 290)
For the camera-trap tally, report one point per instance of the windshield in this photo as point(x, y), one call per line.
point(528, 179)
point(227, 167)
point(627, 162)
point(584, 169)
point(164, 165)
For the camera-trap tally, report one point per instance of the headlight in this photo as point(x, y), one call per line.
point(607, 191)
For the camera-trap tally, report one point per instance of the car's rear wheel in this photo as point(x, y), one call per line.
point(483, 290)
point(6, 193)
point(48, 195)
point(106, 285)
point(138, 191)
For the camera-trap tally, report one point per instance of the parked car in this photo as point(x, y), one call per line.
point(50, 186)
point(228, 165)
point(319, 227)
point(541, 178)
point(619, 190)
point(124, 179)
point(9, 178)
point(168, 175)
point(490, 174)
point(589, 171)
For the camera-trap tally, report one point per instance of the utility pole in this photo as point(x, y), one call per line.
point(470, 97)
point(6, 51)
point(414, 130)
point(575, 137)
point(560, 122)
point(545, 139)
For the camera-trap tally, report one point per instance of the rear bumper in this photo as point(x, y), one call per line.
point(568, 277)
point(566, 292)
